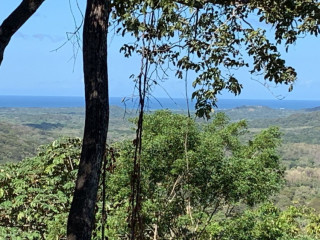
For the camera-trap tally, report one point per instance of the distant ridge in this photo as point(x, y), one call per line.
point(253, 107)
point(312, 109)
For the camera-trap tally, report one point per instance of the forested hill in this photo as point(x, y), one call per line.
point(299, 127)
point(295, 119)
point(23, 130)
point(258, 112)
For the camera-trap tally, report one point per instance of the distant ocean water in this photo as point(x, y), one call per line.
point(178, 103)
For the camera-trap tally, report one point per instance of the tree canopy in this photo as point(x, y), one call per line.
point(189, 174)
point(213, 39)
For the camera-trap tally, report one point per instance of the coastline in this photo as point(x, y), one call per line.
point(152, 104)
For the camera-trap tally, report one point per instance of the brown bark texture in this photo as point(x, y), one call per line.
point(15, 20)
point(82, 213)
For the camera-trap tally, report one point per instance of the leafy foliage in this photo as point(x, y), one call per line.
point(213, 39)
point(267, 222)
point(190, 173)
point(35, 193)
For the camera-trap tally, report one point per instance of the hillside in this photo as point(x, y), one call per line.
point(23, 130)
point(300, 151)
point(31, 127)
point(257, 112)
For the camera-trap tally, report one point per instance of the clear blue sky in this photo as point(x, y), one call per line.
point(32, 67)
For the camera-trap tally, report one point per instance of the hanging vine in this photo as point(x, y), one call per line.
point(136, 221)
point(205, 40)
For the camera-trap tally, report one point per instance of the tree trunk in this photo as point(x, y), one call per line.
point(82, 212)
point(15, 20)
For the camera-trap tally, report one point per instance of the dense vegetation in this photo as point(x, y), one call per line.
point(299, 151)
point(189, 174)
point(198, 180)
point(35, 193)
point(178, 157)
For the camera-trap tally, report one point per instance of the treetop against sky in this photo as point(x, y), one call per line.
point(36, 64)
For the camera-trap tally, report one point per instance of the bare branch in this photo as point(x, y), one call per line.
point(15, 20)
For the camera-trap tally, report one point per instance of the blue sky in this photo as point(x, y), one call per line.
point(33, 66)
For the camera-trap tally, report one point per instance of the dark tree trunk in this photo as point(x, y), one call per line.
point(82, 212)
point(15, 20)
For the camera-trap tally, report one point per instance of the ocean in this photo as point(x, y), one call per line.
point(159, 103)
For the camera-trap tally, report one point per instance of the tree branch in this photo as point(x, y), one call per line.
point(15, 20)
point(199, 4)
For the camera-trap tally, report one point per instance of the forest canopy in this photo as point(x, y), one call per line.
point(194, 176)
